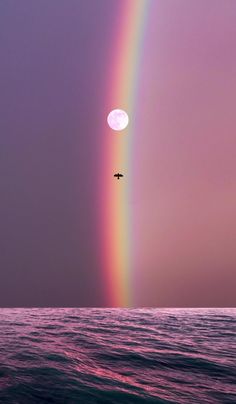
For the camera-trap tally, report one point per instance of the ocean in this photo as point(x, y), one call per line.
point(96, 355)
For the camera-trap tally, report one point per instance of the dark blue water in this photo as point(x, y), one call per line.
point(123, 356)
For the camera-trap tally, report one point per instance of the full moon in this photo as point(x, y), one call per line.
point(118, 119)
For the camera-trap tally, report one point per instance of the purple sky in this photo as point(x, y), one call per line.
point(53, 72)
point(185, 210)
point(54, 68)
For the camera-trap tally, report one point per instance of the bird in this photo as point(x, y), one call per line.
point(118, 175)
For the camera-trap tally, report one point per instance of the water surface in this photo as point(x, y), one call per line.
point(123, 356)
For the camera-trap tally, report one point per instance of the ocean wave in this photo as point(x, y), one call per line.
point(166, 356)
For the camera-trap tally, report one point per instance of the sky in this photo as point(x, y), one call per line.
point(55, 80)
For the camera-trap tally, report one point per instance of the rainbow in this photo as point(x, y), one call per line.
point(116, 214)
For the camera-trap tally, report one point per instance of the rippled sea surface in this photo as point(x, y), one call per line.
point(117, 356)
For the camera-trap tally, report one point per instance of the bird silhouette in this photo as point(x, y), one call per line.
point(118, 175)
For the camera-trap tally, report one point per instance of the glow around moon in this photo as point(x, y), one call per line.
point(118, 119)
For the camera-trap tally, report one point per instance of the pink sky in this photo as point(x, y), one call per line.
point(184, 199)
